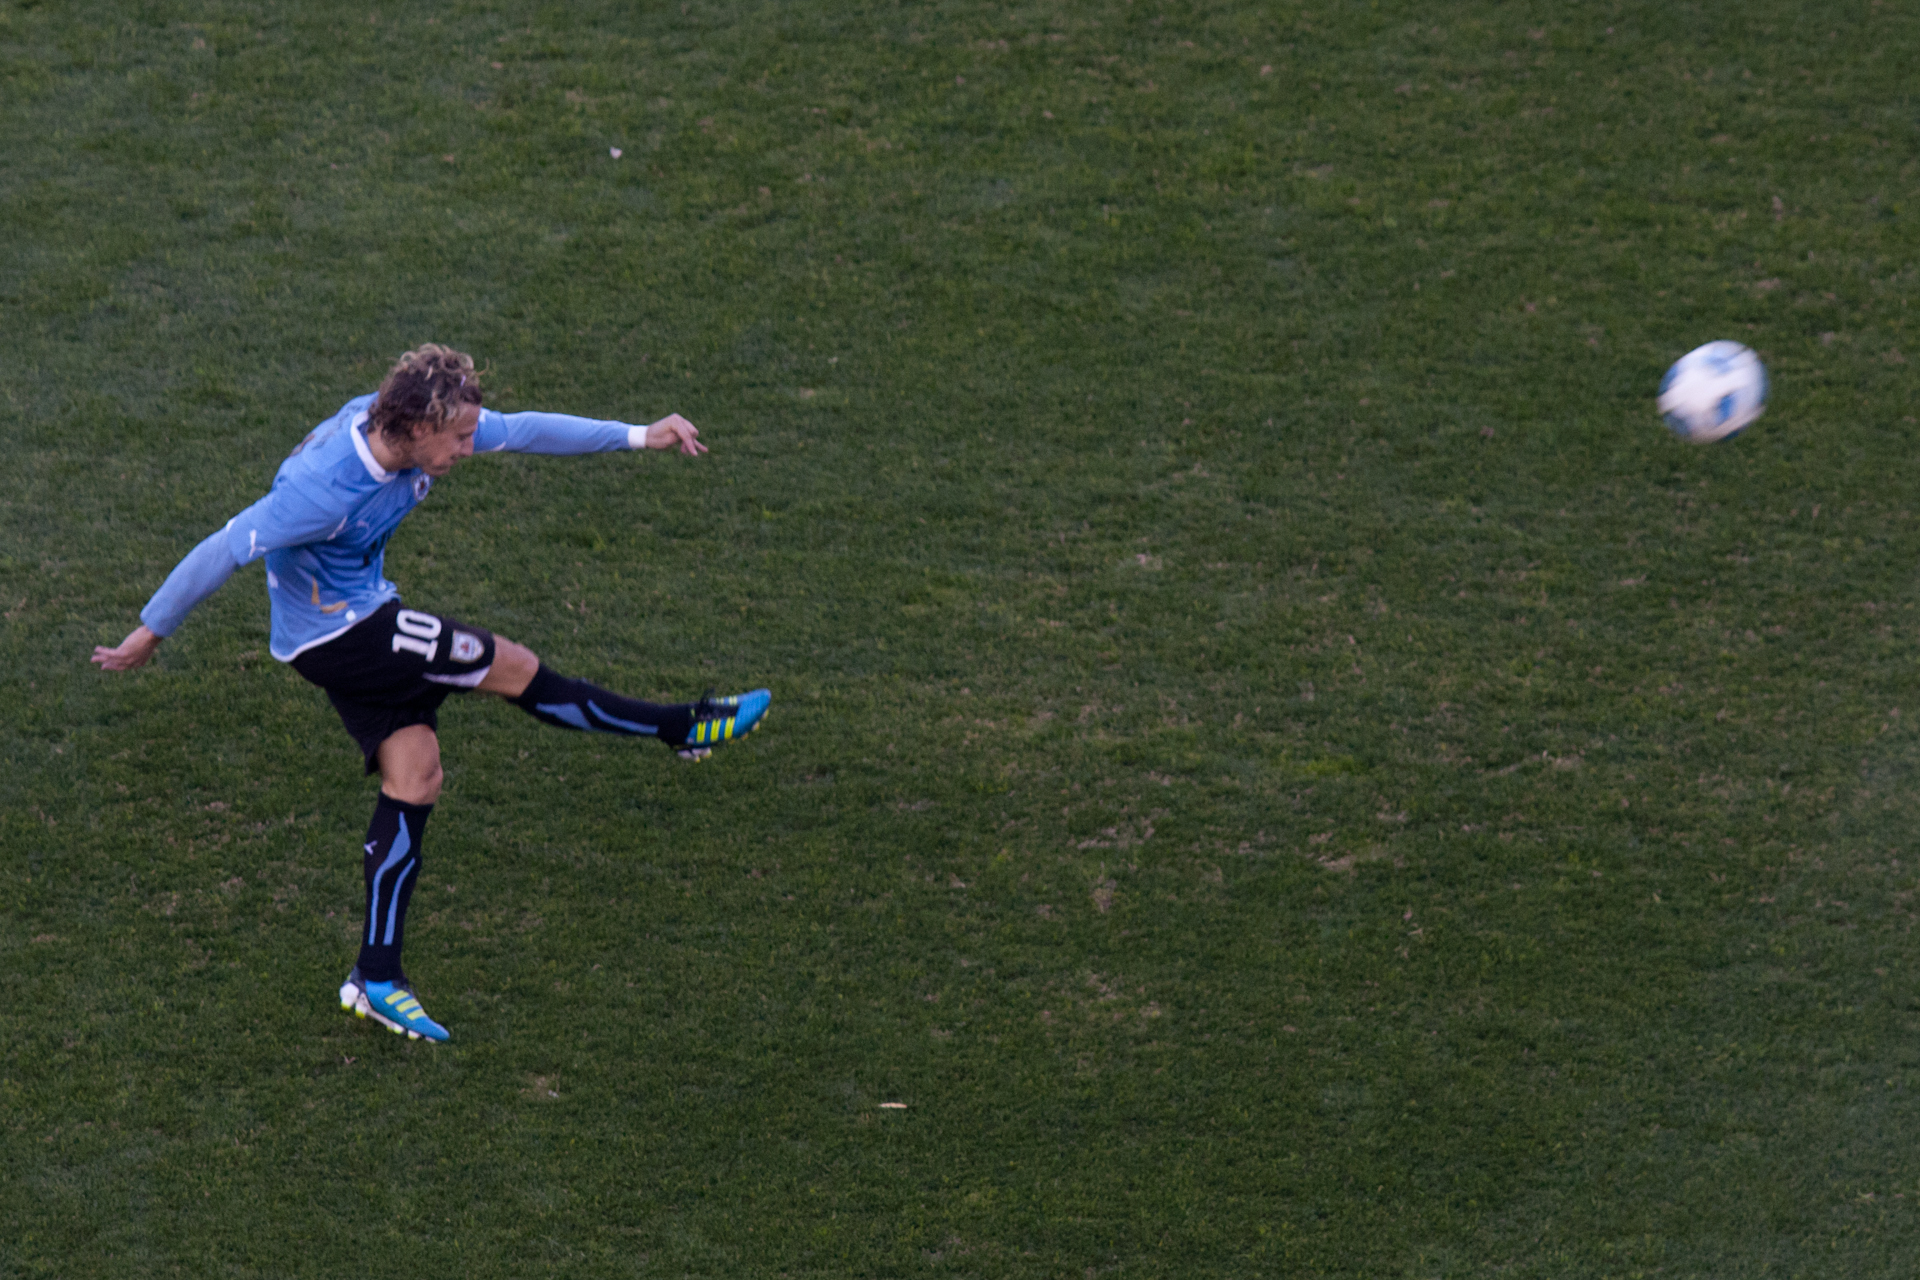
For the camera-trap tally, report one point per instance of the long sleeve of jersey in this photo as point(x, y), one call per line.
point(553, 433)
point(195, 578)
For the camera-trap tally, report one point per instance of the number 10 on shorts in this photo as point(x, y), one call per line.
point(416, 633)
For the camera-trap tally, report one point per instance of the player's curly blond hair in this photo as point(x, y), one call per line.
point(424, 391)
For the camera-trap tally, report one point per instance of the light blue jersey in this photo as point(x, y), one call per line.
point(323, 527)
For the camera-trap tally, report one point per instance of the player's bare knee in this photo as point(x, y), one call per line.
point(514, 666)
point(410, 765)
point(414, 786)
point(516, 656)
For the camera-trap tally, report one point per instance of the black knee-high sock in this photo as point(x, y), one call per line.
point(578, 704)
point(392, 867)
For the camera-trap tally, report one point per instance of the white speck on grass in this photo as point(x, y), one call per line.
point(614, 152)
point(893, 1106)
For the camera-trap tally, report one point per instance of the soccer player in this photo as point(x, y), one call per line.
point(323, 531)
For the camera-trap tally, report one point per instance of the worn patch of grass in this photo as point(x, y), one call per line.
point(1278, 761)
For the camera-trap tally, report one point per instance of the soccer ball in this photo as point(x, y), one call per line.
point(1713, 392)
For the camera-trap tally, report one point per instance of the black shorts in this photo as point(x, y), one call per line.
point(394, 669)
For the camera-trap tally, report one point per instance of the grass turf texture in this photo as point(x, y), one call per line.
point(1278, 760)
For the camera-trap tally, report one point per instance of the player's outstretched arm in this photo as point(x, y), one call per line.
point(204, 570)
point(195, 578)
point(135, 651)
point(561, 434)
point(281, 519)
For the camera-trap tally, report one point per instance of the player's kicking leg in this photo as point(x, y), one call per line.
point(692, 729)
point(409, 762)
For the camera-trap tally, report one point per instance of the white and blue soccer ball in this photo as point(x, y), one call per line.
point(1713, 392)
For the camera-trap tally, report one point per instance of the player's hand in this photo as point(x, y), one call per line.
point(675, 432)
point(132, 652)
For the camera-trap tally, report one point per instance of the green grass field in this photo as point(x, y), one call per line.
point(1279, 761)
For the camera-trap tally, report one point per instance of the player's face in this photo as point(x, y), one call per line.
point(435, 454)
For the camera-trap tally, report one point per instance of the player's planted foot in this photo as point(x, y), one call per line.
point(721, 720)
point(391, 1004)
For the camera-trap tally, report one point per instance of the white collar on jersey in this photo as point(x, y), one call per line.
point(360, 447)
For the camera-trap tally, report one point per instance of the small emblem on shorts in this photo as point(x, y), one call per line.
point(420, 486)
point(467, 647)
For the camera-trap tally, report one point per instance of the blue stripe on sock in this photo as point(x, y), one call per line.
point(393, 902)
point(402, 843)
point(565, 711)
point(629, 725)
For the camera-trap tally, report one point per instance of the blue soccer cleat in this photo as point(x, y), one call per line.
point(391, 1004)
point(721, 720)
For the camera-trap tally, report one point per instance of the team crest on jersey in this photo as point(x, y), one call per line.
point(467, 647)
point(421, 484)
